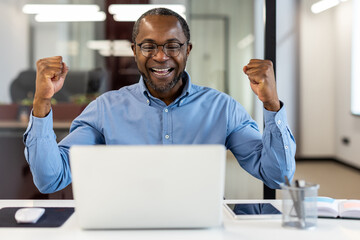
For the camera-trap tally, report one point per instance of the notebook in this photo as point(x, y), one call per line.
point(153, 186)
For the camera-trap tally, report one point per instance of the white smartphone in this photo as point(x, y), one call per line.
point(253, 210)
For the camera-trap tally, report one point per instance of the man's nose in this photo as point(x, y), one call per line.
point(160, 55)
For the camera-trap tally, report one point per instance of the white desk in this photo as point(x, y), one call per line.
point(233, 229)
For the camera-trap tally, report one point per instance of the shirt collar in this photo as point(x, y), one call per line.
point(179, 101)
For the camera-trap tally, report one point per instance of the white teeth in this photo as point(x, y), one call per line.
point(161, 74)
point(161, 69)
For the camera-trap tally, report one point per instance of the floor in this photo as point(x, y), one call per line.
point(335, 179)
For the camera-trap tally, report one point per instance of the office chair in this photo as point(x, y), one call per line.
point(77, 82)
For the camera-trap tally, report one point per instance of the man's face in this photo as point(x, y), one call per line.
point(161, 73)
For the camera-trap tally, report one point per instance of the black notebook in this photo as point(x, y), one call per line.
point(53, 217)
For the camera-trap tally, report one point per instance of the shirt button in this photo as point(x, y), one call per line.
point(147, 101)
point(166, 110)
point(167, 136)
point(286, 147)
point(279, 122)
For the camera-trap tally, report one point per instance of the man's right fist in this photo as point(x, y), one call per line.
point(50, 77)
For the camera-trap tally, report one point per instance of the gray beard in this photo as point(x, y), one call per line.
point(163, 88)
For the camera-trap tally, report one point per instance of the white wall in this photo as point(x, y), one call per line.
point(13, 45)
point(287, 63)
point(347, 125)
point(325, 117)
point(317, 83)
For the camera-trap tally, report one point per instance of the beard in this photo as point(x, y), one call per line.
point(162, 87)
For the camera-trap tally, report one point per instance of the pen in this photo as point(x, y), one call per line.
point(301, 184)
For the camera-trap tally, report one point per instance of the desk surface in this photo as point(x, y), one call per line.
point(232, 229)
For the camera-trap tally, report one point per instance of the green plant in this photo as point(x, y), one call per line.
point(29, 101)
point(83, 99)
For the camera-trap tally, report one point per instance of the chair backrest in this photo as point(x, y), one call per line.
point(77, 82)
point(23, 86)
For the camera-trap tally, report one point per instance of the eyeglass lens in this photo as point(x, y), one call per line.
point(151, 49)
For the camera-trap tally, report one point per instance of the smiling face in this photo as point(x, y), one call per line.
point(161, 73)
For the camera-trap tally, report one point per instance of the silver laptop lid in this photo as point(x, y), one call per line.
point(153, 186)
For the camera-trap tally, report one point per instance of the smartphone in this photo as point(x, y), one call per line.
point(253, 210)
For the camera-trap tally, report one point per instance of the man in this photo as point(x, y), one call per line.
point(163, 108)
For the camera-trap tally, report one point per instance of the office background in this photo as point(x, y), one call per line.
point(314, 53)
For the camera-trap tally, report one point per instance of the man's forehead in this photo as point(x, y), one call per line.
point(166, 18)
point(160, 24)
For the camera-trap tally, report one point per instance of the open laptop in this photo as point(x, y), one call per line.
point(153, 186)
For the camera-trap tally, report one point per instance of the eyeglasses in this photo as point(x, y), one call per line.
point(171, 49)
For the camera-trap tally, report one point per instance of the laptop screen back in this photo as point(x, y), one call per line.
point(153, 186)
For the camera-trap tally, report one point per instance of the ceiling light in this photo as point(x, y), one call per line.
point(131, 12)
point(116, 53)
point(78, 17)
point(65, 12)
point(111, 48)
point(324, 5)
point(54, 8)
point(98, 44)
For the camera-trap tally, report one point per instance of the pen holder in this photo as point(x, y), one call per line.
point(299, 206)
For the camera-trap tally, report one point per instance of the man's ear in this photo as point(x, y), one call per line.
point(188, 49)
point(133, 47)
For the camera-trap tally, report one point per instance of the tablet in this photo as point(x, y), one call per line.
point(253, 210)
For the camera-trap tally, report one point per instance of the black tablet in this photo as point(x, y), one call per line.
point(253, 210)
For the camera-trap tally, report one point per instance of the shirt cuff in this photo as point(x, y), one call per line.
point(278, 118)
point(39, 127)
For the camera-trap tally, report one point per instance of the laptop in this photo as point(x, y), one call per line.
point(152, 186)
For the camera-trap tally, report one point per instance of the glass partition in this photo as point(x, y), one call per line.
point(223, 37)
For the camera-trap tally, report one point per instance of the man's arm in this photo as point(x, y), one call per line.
point(269, 157)
point(41, 151)
point(272, 156)
point(48, 163)
point(48, 160)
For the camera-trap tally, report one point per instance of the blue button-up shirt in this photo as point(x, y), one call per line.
point(131, 115)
